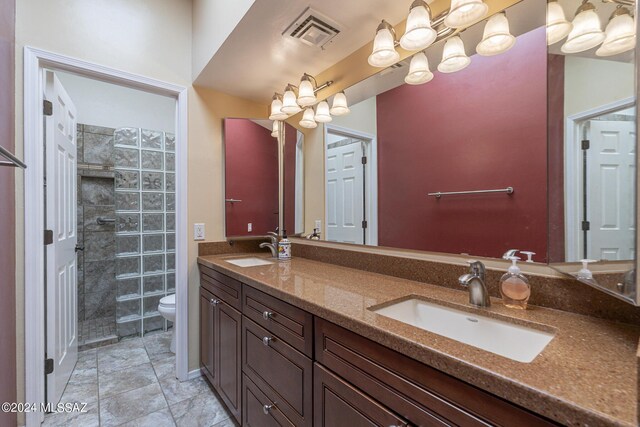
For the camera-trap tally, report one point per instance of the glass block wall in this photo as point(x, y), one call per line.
point(145, 227)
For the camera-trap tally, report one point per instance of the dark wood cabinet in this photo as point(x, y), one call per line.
point(338, 404)
point(259, 410)
point(207, 328)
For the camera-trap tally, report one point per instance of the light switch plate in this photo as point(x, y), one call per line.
point(198, 231)
point(319, 225)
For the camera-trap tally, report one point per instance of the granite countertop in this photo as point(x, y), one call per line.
point(587, 375)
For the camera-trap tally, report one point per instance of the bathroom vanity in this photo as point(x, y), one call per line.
point(299, 343)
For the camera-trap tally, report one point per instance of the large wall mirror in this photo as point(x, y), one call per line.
point(489, 158)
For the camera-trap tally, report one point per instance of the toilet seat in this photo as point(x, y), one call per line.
point(168, 301)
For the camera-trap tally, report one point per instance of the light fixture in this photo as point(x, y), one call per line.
point(418, 33)
point(289, 104)
point(454, 58)
point(308, 120)
point(322, 113)
point(465, 12)
point(586, 32)
point(340, 107)
point(276, 109)
point(496, 38)
point(419, 70)
point(276, 128)
point(384, 46)
point(620, 35)
point(306, 91)
point(557, 25)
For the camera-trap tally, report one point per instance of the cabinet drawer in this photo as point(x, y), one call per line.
point(280, 371)
point(259, 410)
point(421, 394)
point(339, 404)
point(224, 287)
point(289, 323)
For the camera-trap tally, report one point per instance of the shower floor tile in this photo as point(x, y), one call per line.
point(96, 333)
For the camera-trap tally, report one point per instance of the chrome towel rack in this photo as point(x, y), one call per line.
point(508, 190)
point(13, 160)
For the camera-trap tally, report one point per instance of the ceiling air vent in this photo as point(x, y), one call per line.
point(312, 28)
point(392, 68)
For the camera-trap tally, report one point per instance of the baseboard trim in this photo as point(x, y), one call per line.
point(194, 374)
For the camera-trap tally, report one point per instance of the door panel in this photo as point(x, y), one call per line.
point(206, 335)
point(61, 217)
point(229, 357)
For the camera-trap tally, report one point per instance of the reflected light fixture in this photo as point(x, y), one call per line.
point(454, 58)
point(306, 91)
point(465, 12)
point(340, 107)
point(308, 120)
point(557, 25)
point(620, 35)
point(418, 33)
point(289, 104)
point(276, 128)
point(384, 51)
point(496, 38)
point(586, 32)
point(322, 113)
point(419, 72)
point(276, 109)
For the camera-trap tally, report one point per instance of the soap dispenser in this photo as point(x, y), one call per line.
point(284, 247)
point(514, 287)
point(585, 273)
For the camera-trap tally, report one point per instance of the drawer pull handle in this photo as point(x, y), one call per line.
point(266, 340)
point(215, 301)
point(266, 409)
point(266, 315)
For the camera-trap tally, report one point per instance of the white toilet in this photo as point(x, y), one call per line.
point(167, 308)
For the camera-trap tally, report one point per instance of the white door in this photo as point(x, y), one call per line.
point(61, 218)
point(345, 194)
point(610, 190)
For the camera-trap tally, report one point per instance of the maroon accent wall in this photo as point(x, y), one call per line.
point(291, 139)
point(484, 127)
point(555, 119)
point(251, 175)
point(7, 214)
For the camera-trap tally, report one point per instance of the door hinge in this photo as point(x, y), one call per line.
point(364, 160)
point(586, 225)
point(364, 224)
point(586, 144)
point(48, 366)
point(47, 108)
point(48, 237)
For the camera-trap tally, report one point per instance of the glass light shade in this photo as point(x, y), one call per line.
point(496, 38)
point(454, 57)
point(620, 36)
point(276, 110)
point(418, 34)
point(307, 119)
point(586, 33)
point(306, 95)
point(276, 129)
point(322, 113)
point(340, 107)
point(289, 104)
point(465, 12)
point(557, 25)
point(384, 51)
point(419, 70)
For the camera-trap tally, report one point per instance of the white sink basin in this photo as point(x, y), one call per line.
point(249, 262)
point(513, 341)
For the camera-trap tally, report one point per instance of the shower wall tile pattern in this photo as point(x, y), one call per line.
point(145, 227)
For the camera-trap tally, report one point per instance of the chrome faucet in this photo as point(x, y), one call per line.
point(510, 254)
point(474, 281)
point(272, 245)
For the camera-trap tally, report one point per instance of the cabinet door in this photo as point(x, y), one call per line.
point(337, 404)
point(228, 356)
point(207, 330)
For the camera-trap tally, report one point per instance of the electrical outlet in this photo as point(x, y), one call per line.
point(198, 231)
point(249, 227)
point(319, 225)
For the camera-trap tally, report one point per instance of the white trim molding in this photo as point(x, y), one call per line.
point(35, 60)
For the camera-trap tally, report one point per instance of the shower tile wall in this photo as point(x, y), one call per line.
point(145, 227)
point(96, 198)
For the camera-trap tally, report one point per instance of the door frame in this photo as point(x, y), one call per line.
point(573, 167)
point(35, 60)
point(370, 176)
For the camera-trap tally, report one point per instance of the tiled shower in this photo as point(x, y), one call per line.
point(126, 223)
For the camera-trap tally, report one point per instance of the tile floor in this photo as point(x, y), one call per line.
point(132, 383)
point(96, 333)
